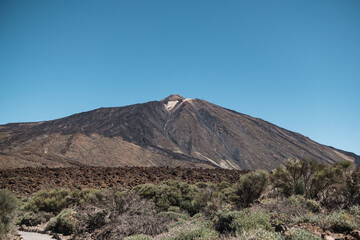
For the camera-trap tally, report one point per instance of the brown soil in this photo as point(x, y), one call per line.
point(24, 181)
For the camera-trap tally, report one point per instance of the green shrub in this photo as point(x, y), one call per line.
point(227, 195)
point(8, 205)
point(251, 186)
point(174, 209)
point(341, 221)
point(64, 222)
point(172, 194)
point(301, 234)
point(313, 205)
point(352, 187)
point(147, 190)
point(297, 200)
point(295, 176)
point(223, 185)
point(86, 196)
point(355, 212)
point(237, 222)
point(196, 229)
point(310, 218)
point(138, 237)
point(167, 196)
point(309, 178)
point(257, 234)
point(197, 232)
point(174, 215)
point(299, 187)
point(29, 219)
point(49, 201)
point(300, 201)
point(205, 185)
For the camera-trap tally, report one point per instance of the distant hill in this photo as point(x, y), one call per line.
point(175, 131)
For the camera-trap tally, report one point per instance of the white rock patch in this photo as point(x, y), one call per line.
point(171, 104)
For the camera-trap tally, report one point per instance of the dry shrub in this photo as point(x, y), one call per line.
point(128, 225)
point(128, 215)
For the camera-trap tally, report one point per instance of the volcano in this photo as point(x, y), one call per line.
point(175, 131)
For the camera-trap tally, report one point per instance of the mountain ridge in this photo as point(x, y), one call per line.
point(174, 131)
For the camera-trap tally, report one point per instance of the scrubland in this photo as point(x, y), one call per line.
point(301, 200)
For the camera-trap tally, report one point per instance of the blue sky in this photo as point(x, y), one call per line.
point(293, 63)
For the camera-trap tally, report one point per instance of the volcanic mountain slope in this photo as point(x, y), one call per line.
point(175, 131)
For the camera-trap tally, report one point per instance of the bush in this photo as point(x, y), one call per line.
point(8, 205)
point(86, 196)
point(197, 228)
point(309, 178)
point(355, 212)
point(295, 176)
point(49, 201)
point(301, 234)
point(147, 190)
point(138, 237)
point(205, 185)
point(310, 218)
point(131, 203)
point(313, 205)
point(174, 215)
point(300, 201)
point(251, 186)
point(58, 199)
point(29, 219)
point(256, 234)
point(237, 222)
point(197, 232)
point(124, 225)
point(64, 222)
point(352, 188)
point(170, 194)
point(341, 221)
point(174, 209)
point(226, 193)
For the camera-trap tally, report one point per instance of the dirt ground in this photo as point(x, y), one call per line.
point(25, 181)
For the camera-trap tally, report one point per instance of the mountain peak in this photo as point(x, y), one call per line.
point(173, 97)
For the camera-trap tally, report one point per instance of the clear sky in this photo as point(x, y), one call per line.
point(293, 63)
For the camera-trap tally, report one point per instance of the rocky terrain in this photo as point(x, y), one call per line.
point(25, 181)
point(173, 132)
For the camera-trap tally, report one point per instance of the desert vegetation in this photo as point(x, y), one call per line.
point(300, 200)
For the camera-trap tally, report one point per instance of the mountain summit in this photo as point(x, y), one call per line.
point(175, 131)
